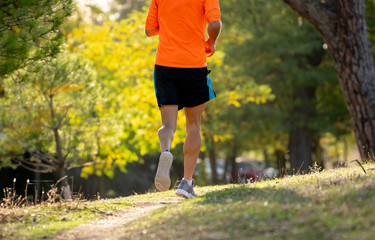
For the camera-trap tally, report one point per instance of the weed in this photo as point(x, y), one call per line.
point(12, 200)
point(315, 168)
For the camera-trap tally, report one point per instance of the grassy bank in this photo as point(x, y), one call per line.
point(45, 220)
point(334, 204)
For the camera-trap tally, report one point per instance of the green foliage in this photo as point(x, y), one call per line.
point(256, 54)
point(58, 95)
point(266, 56)
point(226, 116)
point(66, 95)
point(29, 31)
point(125, 65)
point(267, 43)
point(370, 14)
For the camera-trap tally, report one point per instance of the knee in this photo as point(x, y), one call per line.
point(194, 129)
point(167, 128)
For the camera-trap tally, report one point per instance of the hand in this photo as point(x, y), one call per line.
point(210, 48)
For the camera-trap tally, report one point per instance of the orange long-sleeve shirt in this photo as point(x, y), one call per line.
point(182, 26)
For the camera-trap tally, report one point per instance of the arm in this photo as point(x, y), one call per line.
point(150, 33)
point(152, 21)
point(213, 31)
point(212, 13)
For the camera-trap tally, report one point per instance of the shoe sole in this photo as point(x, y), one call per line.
point(162, 179)
point(184, 194)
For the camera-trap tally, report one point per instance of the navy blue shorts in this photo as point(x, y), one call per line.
point(185, 87)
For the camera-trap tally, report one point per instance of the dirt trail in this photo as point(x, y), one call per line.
point(111, 227)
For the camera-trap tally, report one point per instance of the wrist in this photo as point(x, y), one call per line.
point(211, 41)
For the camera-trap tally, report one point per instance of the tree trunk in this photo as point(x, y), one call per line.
point(300, 149)
point(37, 181)
point(212, 157)
point(226, 165)
point(301, 136)
point(234, 170)
point(61, 169)
point(342, 24)
point(66, 192)
point(211, 150)
point(281, 161)
point(233, 162)
point(266, 158)
point(318, 150)
point(101, 186)
point(202, 170)
point(357, 78)
point(345, 151)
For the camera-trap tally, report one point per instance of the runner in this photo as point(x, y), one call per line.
point(181, 77)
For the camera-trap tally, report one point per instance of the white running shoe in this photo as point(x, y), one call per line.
point(162, 178)
point(185, 190)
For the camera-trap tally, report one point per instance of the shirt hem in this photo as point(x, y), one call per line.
point(181, 65)
point(213, 19)
point(150, 29)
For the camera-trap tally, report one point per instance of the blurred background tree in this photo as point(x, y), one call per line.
point(272, 45)
point(278, 100)
point(370, 16)
point(343, 28)
point(48, 120)
point(227, 123)
point(122, 8)
point(29, 31)
point(125, 70)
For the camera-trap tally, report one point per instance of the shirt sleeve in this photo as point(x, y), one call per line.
point(212, 10)
point(152, 21)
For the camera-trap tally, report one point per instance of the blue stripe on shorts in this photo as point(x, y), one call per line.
point(156, 90)
point(211, 91)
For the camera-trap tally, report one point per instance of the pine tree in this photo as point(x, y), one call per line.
point(29, 31)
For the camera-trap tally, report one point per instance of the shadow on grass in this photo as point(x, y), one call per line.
point(243, 192)
point(361, 195)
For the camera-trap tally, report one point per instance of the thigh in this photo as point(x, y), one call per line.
point(194, 115)
point(169, 115)
point(166, 89)
point(194, 86)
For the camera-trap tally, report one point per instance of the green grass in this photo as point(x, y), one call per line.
point(334, 204)
point(38, 222)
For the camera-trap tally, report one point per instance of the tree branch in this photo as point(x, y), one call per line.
point(80, 165)
point(43, 156)
point(31, 166)
point(34, 170)
point(318, 13)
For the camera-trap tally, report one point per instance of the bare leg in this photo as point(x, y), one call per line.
point(168, 128)
point(166, 134)
point(193, 140)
